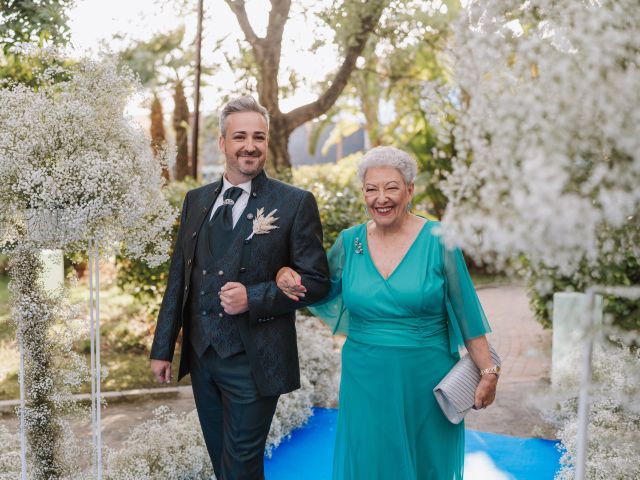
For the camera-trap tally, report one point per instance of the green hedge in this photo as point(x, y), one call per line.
point(625, 313)
point(338, 192)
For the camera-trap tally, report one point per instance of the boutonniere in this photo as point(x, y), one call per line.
point(358, 245)
point(262, 224)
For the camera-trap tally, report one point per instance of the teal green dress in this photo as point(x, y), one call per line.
point(403, 335)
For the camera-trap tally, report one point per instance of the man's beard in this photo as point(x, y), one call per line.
point(250, 169)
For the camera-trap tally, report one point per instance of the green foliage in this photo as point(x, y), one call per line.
point(39, 23)
point(407, 52)
point(338, 192)
point(165, 59)
point(34, 21)
point(146, 283)
point(4, 264)
point(543, 282)
point(4, 300)
point(434, 162)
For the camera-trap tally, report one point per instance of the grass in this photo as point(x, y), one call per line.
point(126, 335)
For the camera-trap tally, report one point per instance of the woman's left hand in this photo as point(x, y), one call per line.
point(486, 391)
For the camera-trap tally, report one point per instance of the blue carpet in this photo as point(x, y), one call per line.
point(309, 452)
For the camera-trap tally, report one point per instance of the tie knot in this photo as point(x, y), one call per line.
point(233, 193)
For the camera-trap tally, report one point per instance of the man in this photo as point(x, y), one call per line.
point(239, 337)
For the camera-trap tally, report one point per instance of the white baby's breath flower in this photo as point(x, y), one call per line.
point(74, 168)
point(545, 99)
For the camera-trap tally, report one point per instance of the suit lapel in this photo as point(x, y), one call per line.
point(199, 211)
point(204, 205)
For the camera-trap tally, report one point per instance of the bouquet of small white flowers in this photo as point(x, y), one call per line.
point(75, 168)
point(546, 102)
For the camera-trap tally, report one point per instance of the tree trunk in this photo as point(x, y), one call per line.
point(279, 159)
point(267, 50)
point(181, 127)
point(158, 137)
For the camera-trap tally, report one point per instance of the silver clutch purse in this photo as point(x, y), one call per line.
point(456, 391)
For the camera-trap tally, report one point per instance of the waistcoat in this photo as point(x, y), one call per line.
point(209, 324)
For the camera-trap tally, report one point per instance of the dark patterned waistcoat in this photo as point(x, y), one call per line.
point(210, 325)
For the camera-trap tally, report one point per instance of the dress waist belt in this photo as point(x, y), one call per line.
point(400, 331)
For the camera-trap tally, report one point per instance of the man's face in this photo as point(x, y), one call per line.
point(245, 145)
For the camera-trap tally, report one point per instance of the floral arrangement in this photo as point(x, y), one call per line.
point(172, 446)
point(546, 102)
point(74, 168)
point(614, 421)
point(47, 325)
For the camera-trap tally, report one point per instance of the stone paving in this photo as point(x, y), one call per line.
point(525, 349)
point(524, 346)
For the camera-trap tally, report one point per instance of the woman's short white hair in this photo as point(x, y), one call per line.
point(388, 157)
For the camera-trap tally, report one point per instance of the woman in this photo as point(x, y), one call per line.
point(406, 304)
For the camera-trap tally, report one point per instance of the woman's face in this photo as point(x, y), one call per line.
point(386, 194)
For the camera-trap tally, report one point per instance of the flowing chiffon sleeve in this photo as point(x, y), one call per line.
point(465, 317)
point(331, 309)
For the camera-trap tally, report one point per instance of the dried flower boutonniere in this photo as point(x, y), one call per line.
point(262, 224)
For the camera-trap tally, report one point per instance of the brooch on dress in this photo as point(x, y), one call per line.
point(358, 245)
point(262, 224)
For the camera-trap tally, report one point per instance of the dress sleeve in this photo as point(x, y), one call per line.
point(331, 309)
point(466, 319)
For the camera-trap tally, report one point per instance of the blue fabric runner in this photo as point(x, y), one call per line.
point(308, 454)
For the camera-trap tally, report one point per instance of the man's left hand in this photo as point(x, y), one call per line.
point(233, 298)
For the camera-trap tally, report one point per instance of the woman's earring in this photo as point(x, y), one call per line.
point(409, 207)
point(366, 212)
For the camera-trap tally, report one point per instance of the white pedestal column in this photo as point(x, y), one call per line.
point(570, 312)
point(53, 274)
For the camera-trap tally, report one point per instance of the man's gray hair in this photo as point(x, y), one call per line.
point(241, 104)
point(388, 157)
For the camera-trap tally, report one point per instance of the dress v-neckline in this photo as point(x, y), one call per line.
point(406, 254)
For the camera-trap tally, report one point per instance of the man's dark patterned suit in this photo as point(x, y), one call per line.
point(257, 350)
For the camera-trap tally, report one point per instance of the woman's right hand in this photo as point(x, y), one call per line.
point(290, 282)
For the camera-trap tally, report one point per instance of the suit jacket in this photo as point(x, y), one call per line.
point(268, 330)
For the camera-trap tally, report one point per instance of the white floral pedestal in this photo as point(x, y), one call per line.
point(53, 266)
point(570, 310)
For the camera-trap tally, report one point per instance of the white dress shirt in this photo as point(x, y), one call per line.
point(240, 204)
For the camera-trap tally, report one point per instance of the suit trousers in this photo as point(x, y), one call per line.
point(235, 418)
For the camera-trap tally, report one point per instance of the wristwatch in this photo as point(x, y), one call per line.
point(495, 370)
